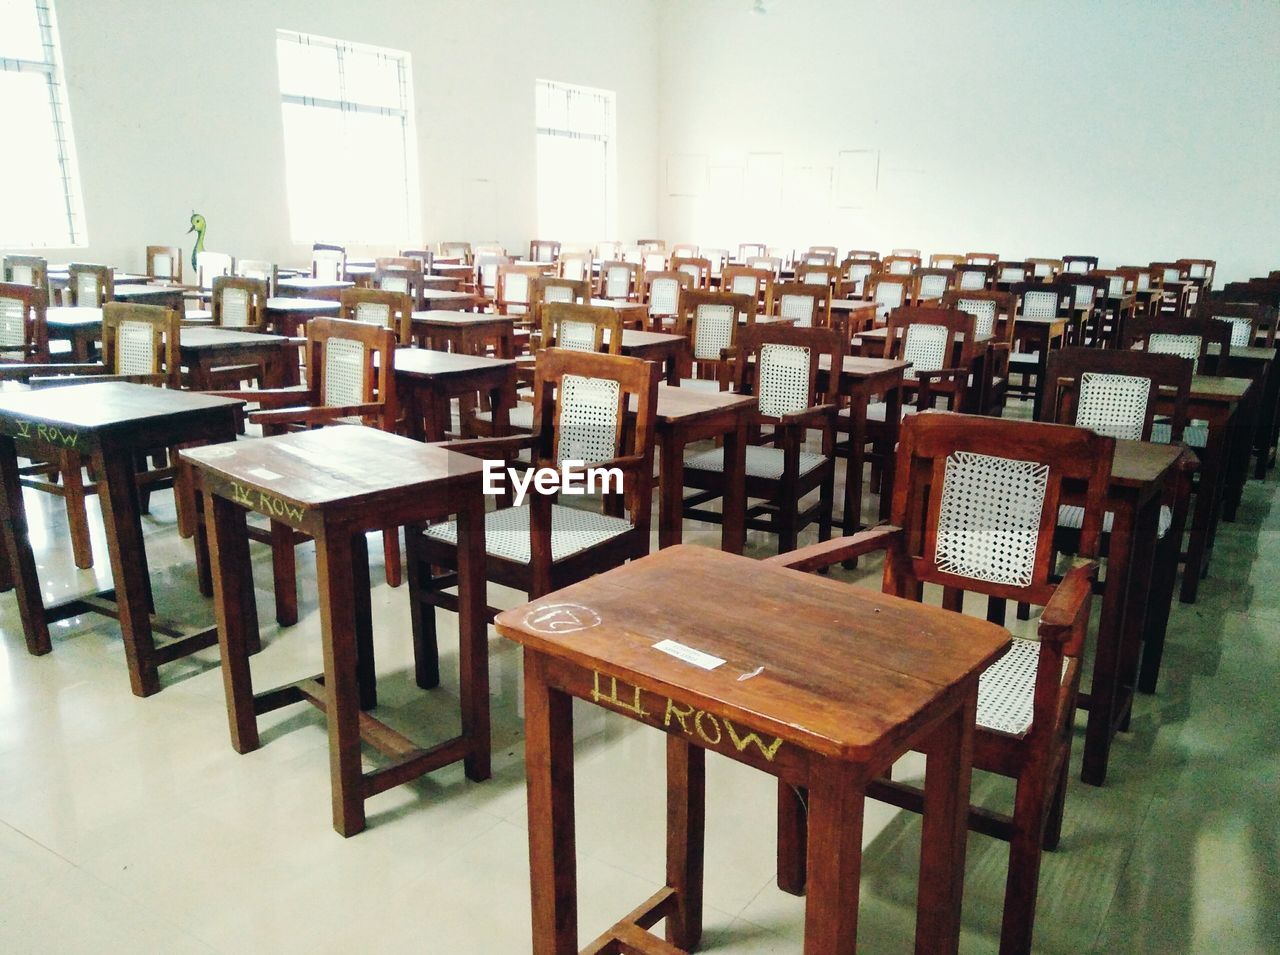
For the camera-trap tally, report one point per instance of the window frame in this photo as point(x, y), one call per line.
point(608, 139)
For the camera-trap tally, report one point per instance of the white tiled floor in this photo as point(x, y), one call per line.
point(129, 824)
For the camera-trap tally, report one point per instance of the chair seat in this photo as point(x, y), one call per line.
point(762, 462)
point(876, 411)
point(1195, 434)
point(520, 417)
point(506, 532)
point(700, 384)
point(1071, 516)
point(1006, 689)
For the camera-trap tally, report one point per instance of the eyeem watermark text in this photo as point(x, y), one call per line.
point(572, 477)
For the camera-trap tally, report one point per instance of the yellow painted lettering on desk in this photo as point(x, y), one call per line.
point(50, 433)
point(268, 504)
point(711, 729)
point(598, 696)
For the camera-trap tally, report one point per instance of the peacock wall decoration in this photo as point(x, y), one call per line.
point(198, 227)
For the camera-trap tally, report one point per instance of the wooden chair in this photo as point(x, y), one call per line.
point(681, 250)
point(1112, 314)
point(573, 327)
point(929, 284)
point(351, 382)
point(26, 270)
point(485, 272)
point(854, 273)
point(548, 288)
point(1199, 269)
point(328, 262)
point(1090, 302)
point(870, 255)
point(574, 265)
point(822, 273)
point(809, 305)
point(769, 263)
point(514, 289)
point(747, 250)
point(1037, 300)
point(239, 302)
point(698, 269)
point(426, 257)
point(1170, 271)
point(379, 307)
point(1245, 319)
point(24, 334)
point(900, 264)
point(1185, 337)
point(995, 314)
point(619, 281)
point(90, 286)
point(974, 509)
point(1046, 270)
point(757, 283)
point(778, 365)
point(718, 258)
point(1010, 273)
point(608, 251)
point(262, 270)
point(543, 250)
point(164, 263)
point(982, 258)
point(819, 255)
point(398, 279)
point(711, 321)
point(946, 260)
point(581, 414)
point(1079, 263)
point(209, 265)
point(652, 260)
point(972, 278)
point(911, 253)
point(888, 292)
point(662, 294)
point(455, 250)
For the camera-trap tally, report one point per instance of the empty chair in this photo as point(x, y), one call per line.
point(1010, 273)
point(854, 273)
point(1090, 326)
point(870, 254)
point(209, 265)
point(513, 288)
point(662, 294)
point(888, 292)
point(259, 269)
point(574, 265)
point(711, 321)
point(907, 253)
point(543, 250)
point(982, 258)
point(652, 245)
point(972, 278)
point(769, 262)
point(1079, 263)
point(24, 336)
point(718, 258)
point(548, 288)
point(26, 270)
point(1245, 318)
point(929, 284)
point(1035, 300)
point(239, 302)
point(486, 272)
point(456, 250)
point(425, 256)
point(945, 260)
point(698, 269)
point(89, 286)
point(1199, 269)
point(747, 250)
point(900, 264)
point(994, 314)
point(164, 263)
point(620, 281)
point(381, 307)
point(1045, 269)
point(684, 250)
point(608, 250)
point(808, 305)
point(757, 283)
point(818, 273)
point(328, 262)
point(1185, 337)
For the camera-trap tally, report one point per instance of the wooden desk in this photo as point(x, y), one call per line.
point(427, 381)
point(80, 326)
point(634, 315)
point(110, 424)
point(335, 484)
point(434, 299)
point(824, 694)
point(469, 333)
point(166, 296)
point(1258, 363)
point(204, 349)
point(304, 286)
point(871, 344)
point(857, 315)
point(447, 283)
point(455, 270)
point(1039, 336)
point(288, 316)
point(670, 351)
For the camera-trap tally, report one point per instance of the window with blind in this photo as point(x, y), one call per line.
point(577, 162)
point(41, 206)
point(351, 162)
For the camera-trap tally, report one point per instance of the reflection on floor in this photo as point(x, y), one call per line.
point(129, 824)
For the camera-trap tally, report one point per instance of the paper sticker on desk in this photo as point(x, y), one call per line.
point(263, 474)
point(688, 654)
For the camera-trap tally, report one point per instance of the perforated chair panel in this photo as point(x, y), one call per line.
point(23, 275)
point(989, 518)
point(87, 290)
point(12, 323)
point(327, 266)
point(799, 307)
point(574, 269)
point(983, 312)
point(815, 278)
point(1114, 405)
point(1241, 329)
point(712, 331)
point(162, 266)
point(1084, 296)
point(617, 283)
point(1040, 305)
point(576, 336)
point(515, 287)
point(588, 419)
point(693, 272)
point(395, 283)
point(932, 286)
point(1144, 281)
point(1078, 266)
point(900, 268)
point(1011, 274)
point(1184, 346)
point(1195, 434)
point(1115, 286)
point(744, 285)
point(784, 379)
point(557, 293)
point(235, 307)
point(663, 296)
point(374, 313)
point(925, 346)
point(135, 349)
point(344, 369)
point(972, 280)
point(1006, 689)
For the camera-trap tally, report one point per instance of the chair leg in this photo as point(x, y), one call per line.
point(422, 615)
point(391, 556)
point(1053, 828)
point(77, 514)
point(284, 569)
point(787, 517)
point(826, 504)
point(1022, 883)
point(1024, 611)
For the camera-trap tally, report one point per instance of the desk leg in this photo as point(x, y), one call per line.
point(836, 799)
point(945, 830)
point(1243, 430)
point(473, 638)
point(334, 575)
point(362, 609)
point(1203, 517)
point(892, 427)
point(671, 487)
point(548, 760)
point(733, 532)
point(1138, 602)
point(1042, 364)
point(857, 457)
point(686, 822)
point(1104, 688)
point(237, 614)
point(118, 497)
point(19, 565)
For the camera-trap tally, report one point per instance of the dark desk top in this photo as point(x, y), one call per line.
point(213, 339)
point(440, 316)
point(67, 316)
point(429, 363)
point(683, 405)
point(837, 669)
point(306, 305)
point(308, 283)
point(1218, 389)
point(1138, 463)
point(101, 406)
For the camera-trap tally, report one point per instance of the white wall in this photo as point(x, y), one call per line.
point(176, 107)
point(1136, 130)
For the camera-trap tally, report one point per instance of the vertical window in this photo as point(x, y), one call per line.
point(577, 162)
point(351, 160)
point(41, 206)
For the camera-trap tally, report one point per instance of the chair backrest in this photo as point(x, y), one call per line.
point(900, 264)
point(24, 336)
point(1120, 282)
point(748, 250)
point(599, 409)
point(515, 288)
point(1091, 290)
point(259, 269)
point(778, 364)
point(768, 262)
point(609, 249)
point(142, 341)
point(854, 273)
point(1044, 300)
point(808, 304)
point(395, 278)
point(652, 245)
point(982, 258)
point(543, 250)
point(718, 258)
point(711, 321)
point(757, 283)
point(971, 277)
point(239, 302)
point(651, 260)
point(1009, 272)
point(1114, 391)
point(619, 280)
point(456, 250)
point(819, 255)
point(1184, 337)
point(929, 337)
point(929, 284)
point(662, 291)
point(684, 250)
point(818, 273)
point(328, 262)
point(381, 308)
point(550, 288)
point(1245, 318)
point(945, 260)
point(489, 248)
point(486, 271)
point(212, 264)
point(1045, 269)
point(1170, 271)
point(1143, 277)
point(164, 262)
point(353, 363)
point(698, 269)
point(994, 313)
point(978, 497)
point(870, 254)
point(1079, 263)
point(26, 270)
point(426, 256)
point(888, 292)
point(90, 286)
point(1199, 269)
point(574, 265)
point(581, 327)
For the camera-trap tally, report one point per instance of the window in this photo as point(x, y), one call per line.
point(42, 205)
point(577, 162)
point(351, 161)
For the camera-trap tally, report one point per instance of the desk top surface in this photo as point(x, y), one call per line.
point(69, 316)
point(308, 305)
point(427, 362)
point(214, 338)
point(838, 669)
point(444, 316)
point(311, 283)
point(1138, 463)
point(99, 405)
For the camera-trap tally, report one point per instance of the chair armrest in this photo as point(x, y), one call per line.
point(1068, 609)
point(323, 414)
point(506, 446)
point(63, 381)
point(24, 372)
point(825, 553)
point(268, 397)
point(808, 415)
